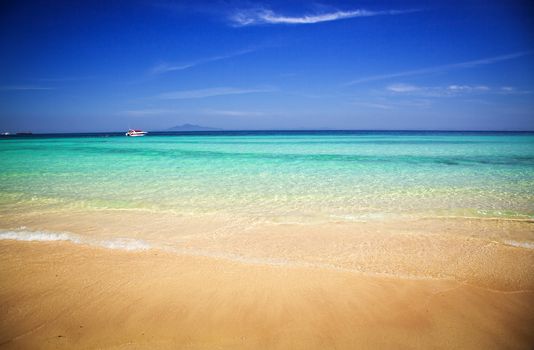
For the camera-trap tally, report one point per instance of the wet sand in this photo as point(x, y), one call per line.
point(60, 295)
point(490, 253)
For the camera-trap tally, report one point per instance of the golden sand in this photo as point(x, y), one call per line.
point(487, 253)
point(234, 283)
point(62, 296)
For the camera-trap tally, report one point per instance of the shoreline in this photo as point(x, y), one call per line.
point(490, 254)
point(123, 280)
point(126, 245)
point(89, 297)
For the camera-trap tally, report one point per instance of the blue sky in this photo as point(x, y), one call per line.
point(110, 65)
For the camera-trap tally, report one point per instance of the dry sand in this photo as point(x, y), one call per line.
point(61, 296)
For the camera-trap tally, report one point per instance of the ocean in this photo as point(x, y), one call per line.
point(416, 204)
point(280, 176)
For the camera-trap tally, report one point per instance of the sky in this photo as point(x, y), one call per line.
point(72, 66)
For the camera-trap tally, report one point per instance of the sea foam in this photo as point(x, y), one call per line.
point(44, 236)
point(39, 236)
point(527, 245)
point(125, 244)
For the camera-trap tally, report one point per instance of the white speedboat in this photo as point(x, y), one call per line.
point(133, 132)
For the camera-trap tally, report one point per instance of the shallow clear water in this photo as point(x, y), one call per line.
point(276, 176)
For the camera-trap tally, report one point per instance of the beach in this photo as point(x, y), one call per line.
point(268, 241)
point(266, 175)
point(67, 296)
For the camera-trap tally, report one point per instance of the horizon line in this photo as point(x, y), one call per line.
point(29, 134)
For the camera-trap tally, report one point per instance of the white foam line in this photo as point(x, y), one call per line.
point(38, 236)
point(128, 244)
point(527, 245)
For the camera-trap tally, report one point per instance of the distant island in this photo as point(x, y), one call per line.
point(192, 127)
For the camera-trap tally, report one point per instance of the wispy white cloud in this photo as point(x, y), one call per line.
point(402, 88)
point(201, 93)
point(449, 90)
point(170, 67)
point(24, 87)
point(265, 16)
point(389, 104)
point(467, 88)
point(442, 68)
point(511, 90)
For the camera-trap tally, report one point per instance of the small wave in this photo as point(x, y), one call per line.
point(38, 236)
point(125, 244)
point(128, 244)
point(527, 245)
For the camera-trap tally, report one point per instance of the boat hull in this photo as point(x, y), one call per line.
point(134, 133)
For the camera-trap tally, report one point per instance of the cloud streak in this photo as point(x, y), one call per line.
point(210, 92)
point(442, 68)
point(450, 90)
point(389, 105)
point(170, 67)
point(265, 16)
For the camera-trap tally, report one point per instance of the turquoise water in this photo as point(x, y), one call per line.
point(283, 177)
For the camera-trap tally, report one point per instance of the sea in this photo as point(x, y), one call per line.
point(404, 203)
point(276, 175)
